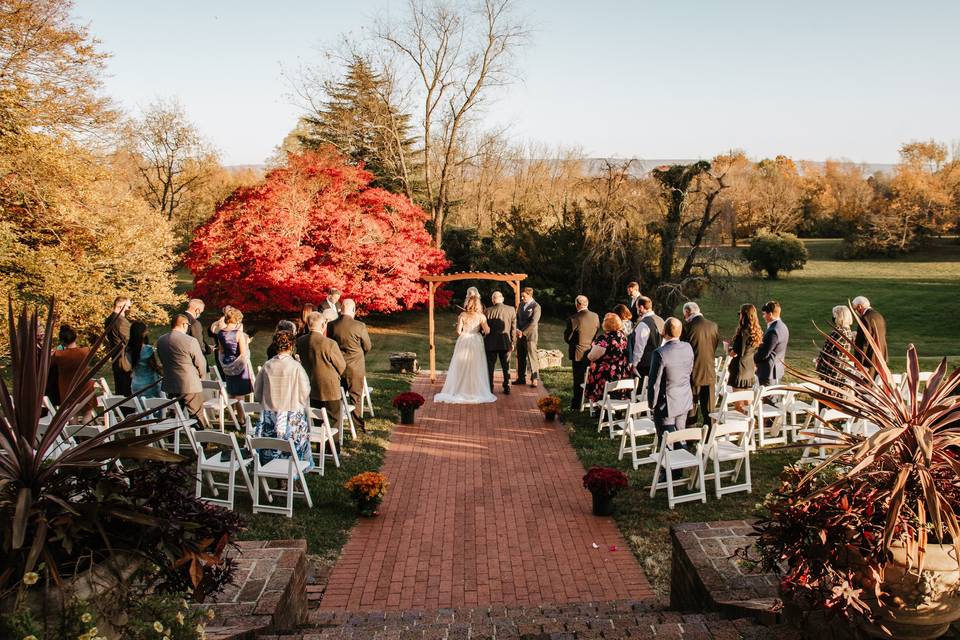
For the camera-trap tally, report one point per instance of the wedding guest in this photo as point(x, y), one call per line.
point(143, 359)
point(354, 341)
point(321, 358)
point(301, 322)
point(626, 318)
point(831, 359)
point(283, 390)
point(283, 325)
point(216, 327)
point(68, 362)
point(742, 369)
point(234, 353)
point(633, 300)
point(117, 328)
point(194, 310)
point(499, 341)
point(582, 327)
point(646, 339)
point(669, 394)
point(608, 357)
point(184, 367)
point(771, 355)
point(874, 324)
point(332, 303)
point(528, 332)
point(704, 337)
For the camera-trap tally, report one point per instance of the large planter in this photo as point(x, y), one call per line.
point(550, 416)
point(931, 601)
point(367, 507)
point(408, 415)
point(602, 504)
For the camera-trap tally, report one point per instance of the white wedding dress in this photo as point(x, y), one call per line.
point(467, 379)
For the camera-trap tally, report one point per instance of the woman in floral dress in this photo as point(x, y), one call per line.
point(283, 389)
point(832, 358)
point(608, 357)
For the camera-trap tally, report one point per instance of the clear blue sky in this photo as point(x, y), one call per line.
point(631, 78)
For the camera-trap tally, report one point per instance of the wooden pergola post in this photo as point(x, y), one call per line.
point(513, 279)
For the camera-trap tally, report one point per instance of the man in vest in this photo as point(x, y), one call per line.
point(646, 338)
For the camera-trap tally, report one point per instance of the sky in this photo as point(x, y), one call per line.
point(641, 79)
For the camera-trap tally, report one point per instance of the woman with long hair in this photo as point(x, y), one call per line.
point(742, 369)
point(143, 359)
point(66, 360)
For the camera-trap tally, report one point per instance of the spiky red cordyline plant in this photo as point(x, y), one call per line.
point(27, 469)
point(902, 480)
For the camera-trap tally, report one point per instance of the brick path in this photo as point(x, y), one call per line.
point(485, 507)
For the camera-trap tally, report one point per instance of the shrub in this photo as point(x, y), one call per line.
point(408, 400)
point(605, 481)
point(775, 252)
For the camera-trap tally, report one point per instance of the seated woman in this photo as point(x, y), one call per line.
point(831, 360)
point(283, 390)
point(608, 358)
point(742, 369)
point(67, 360)
point(143, 359)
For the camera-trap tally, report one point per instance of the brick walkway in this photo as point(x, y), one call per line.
point(485, 507)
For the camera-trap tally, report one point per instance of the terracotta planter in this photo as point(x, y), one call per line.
point(931, 598)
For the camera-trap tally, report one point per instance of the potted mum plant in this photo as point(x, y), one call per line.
point(871, 534)
point(408, 403)
point(549, 406)
point(604, 483)
point(367, 490)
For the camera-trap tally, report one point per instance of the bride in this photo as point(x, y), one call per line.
point(467, 379)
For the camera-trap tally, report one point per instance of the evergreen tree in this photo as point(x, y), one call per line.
point(361, 121)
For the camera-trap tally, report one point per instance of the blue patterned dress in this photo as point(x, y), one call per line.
point(288, 425)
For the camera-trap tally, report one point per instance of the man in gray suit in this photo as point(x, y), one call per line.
point(772, 352)
point(668, 390)
point(183, 366)
point(582, 328)
point(499, 342)
point(528, 326)
point(352, 337)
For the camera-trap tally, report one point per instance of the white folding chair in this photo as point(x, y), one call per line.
point(729, 443)
point(291, 469)
point(670, 459)
point(251, 417)
point(728, 411)
point(216, 400)
point(172, 416)
point(819, 444)
point(613, 411)
point(723, 376)
point(104, 386)
point(113, 407)
point(638, 425)
point(775, 433)
point(346, 415)
point(793, 406)
point(211, 461)
point(322, 434)
point(584, 402)
point(366, 399)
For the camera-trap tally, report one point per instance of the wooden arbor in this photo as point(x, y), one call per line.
point(513, 279)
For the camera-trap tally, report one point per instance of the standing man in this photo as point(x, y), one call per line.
point(324, 363)
point(331, 307)
point(194, 310)
point(354, 341)
point(704, 337)
point(668, 389)
point(647, 337)
point(528, 324)
point(633, 300)
point(499, 342)
point(183, 367)
point(873, 323)
point(582, 328)
point(772, 352)
point(117, 328)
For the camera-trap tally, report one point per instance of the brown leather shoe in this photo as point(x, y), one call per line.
point(534, 382)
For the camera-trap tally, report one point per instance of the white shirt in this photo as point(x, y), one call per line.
point(641, 335)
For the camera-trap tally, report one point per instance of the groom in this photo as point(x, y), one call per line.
point(502, 321)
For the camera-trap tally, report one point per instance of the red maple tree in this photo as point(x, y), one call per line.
point(313, 224)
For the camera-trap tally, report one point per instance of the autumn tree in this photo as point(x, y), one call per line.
point(456, 53)
point(68, 226)
point(360, 115)
point(314, 223)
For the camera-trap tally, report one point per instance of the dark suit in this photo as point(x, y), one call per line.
point(325, 365)
point(499, 342)
point(354, 341)
point(528, 322)
point(634, 305)
point(582, 329)
point(704, 337)
point(668, 390)
point(877, 326)
point(772, 353)
point(184, 367)
point(653, 325)
point(118, 333)
point(196, 330)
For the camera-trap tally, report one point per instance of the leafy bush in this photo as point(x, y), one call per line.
point(605, 481)
point(774, 253)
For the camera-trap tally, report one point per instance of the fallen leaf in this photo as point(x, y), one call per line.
point(613, 547)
